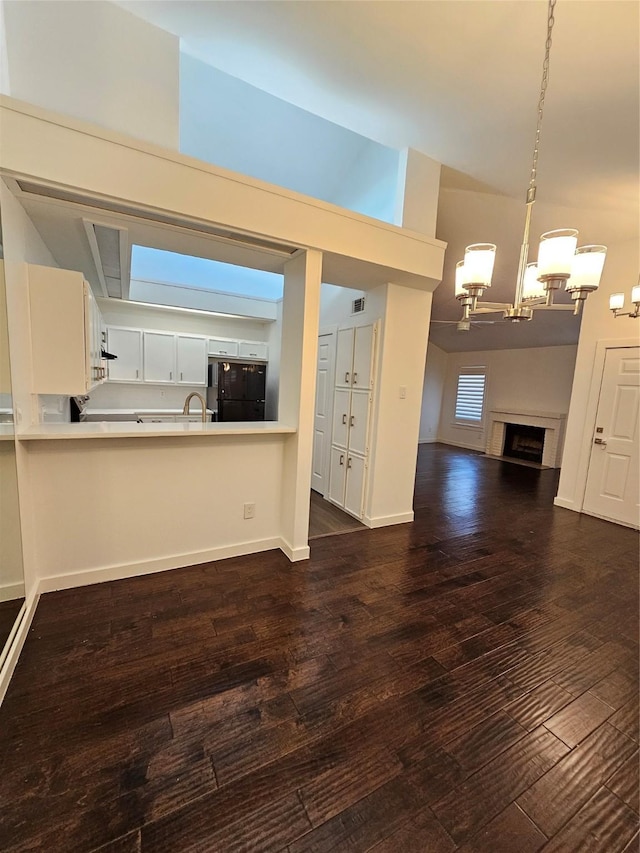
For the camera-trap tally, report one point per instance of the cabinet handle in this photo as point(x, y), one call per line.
point(344, 419)
point(254, 354)
point(137, 374)
point(223, 352)
point(180, 376)
point(352, 419)
point(342, 458)
point(349, 462)
point(170, 374)
point(346, 377)
point(355, 378)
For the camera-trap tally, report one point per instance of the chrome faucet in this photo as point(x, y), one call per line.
point(185, 409)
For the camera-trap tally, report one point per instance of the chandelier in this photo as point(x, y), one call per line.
point(560, 261)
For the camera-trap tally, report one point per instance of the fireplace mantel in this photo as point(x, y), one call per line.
point(553, 424)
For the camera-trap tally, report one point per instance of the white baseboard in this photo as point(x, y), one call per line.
point(294, 554)
point(461, 444)
point(16, 642)
point(566, 504)
point(427, 440)
point(387, 520)
point(9, 591)
point(147, 567)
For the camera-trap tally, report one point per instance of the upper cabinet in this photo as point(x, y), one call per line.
point(354, 357)
point(66, 333)
point(191, 365)
point(126, 344)
point(253, 349)
point(159, 357)
point(218, 346)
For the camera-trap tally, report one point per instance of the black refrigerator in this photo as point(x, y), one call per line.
point(241, 390)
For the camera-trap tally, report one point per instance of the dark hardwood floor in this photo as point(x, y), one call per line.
point(326, 519)
point(466, 682)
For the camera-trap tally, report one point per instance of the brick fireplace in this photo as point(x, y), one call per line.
point(551, 422)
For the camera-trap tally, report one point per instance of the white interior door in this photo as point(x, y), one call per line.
point(323, 413)
point(614, 468)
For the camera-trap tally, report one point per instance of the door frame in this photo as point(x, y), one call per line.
point(591, 413)
point(333, 331)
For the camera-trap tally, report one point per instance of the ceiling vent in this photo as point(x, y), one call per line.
point(111, 254)
point(357, 306)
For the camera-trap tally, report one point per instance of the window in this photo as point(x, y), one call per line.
point(470, 395)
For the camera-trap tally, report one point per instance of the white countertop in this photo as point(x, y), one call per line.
point(129, 429)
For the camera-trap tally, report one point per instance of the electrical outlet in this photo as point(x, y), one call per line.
point(249, 510)
point(162, 395)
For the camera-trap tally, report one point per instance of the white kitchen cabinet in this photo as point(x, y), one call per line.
point(218, 346)
point(127, 345)
point(362, 371)
point(354, 357)
point(159, 353)
point(359, 422)
point(253, 349)
point(353, 397)
point(341, 412)
point(191, 354)
point(354, 484)
point(344, 357)
point(66, 327)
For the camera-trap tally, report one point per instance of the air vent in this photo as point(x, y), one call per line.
point(357, 306)
point(110, 249)
point(154, 216)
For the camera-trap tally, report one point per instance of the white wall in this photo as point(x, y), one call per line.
point(336, 305)
point(434, 379)
point(598, 325)
point(22, 244)
point(273, 368)
point(394, 446)
point(202, 300)
point(95, 61)
point(114, 508)
point(225, 121)
point(418, 192)
point(528, 380)
point(11, 570)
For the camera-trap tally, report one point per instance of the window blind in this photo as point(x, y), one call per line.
point(470, 397)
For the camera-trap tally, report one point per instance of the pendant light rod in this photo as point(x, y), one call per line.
point(531, 191)
point(561, 263)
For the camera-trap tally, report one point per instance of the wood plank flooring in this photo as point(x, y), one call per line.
point(466, 682)
point(326, 519)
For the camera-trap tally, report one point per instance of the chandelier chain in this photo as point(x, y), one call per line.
point(543, 92)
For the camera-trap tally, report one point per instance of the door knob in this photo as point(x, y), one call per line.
point(599, 441)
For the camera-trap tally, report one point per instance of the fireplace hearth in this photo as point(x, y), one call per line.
point(523, 442)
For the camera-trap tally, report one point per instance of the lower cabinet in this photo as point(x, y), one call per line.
point(346, 480)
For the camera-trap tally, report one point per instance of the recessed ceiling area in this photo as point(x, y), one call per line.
point(164, 267)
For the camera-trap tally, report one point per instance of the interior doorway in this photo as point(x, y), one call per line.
point(326, 519)
point(613, 481)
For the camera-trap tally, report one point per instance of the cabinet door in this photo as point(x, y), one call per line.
point(220, 347)
point(253, 349)
point(340, 432)
point(159, 357)
point(363, 357)
point(354, 491)
point(344, 357)
point(192, 360)
point(358, 422)
point(93, 326)
point(337, 473)
point(60, 342)
point(127, 345)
